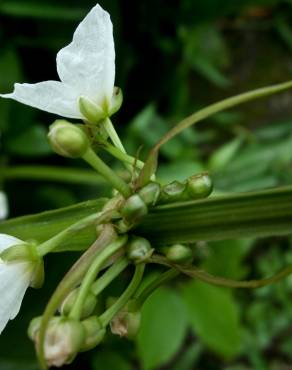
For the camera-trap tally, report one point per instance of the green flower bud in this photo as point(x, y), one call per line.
point(67, 139)
point(123, 227)
point(38, 276)
point(173, 192)
point(116, 101)
point(150, 193)
point(199, 186)
point(34, 327)
point(139, 249)
point(87, 308)
point(126, 323)
point(94, 333)
point(20, 252)
point(91, 111)
point(134, 209)
point(179, 253)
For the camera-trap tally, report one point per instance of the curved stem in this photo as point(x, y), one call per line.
point(110, 274)
point(204, 276)
point(57, 239)
point(91, 274)
point(68, 283)
point(110, 313)
point(153, 285)
point(118, 183)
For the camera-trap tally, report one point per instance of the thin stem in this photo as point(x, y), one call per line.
point(153, 285)
point(110, 313)
point(202, 275)
point(91, 274)
point(110, 274)
point(109, 127)
point(117, 182)
point(122, 156)
point(68, 283)
point(56, 240)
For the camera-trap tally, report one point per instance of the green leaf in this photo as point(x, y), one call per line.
point(254, 214)
point(163, 328)
point(214, 317)
point(45, 225)
point(104, 359)
point(32, 142)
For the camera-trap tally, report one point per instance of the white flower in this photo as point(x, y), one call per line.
point(86, 68)
point(15, 278)
point(3, 205)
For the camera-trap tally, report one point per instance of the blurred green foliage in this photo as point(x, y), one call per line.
point(172, 58)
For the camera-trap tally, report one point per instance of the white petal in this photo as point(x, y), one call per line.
point(3, 206)
point(14, 281)
point(50, 96)
point(88, 62)
point(7, 241)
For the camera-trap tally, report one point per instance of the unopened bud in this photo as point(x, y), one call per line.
point(173, 192)
point(126, 324)
point(199, 186)
point(94, 333)
point(116, 101)
point(67, 139)
point(91, 111)
point(139, 249)
point(134, 209)
point(63, 339)
point(179, 253)
point(150, 193)
point(87, 308)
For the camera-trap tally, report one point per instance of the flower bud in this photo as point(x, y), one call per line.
point(116, 101)
point(67, 139)
point(150, 193)
point(126, 323)
point(179, 253)
point(173, 192)
point(87, 308)
point(134, 209)
point(64, 338)
point(91, 111)
point(94, 333)
point(20, 253)
point(139, 249)
point(199, 186)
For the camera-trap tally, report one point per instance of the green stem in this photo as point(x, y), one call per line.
point(68, 283)
point(110, 274)
point(122, 156)
point(52, 173)
point(59, 238)
point(204, 276)
point(109, 127)
point(118, 183)
point(153, 285)
point(110, 313)
point(91, 274)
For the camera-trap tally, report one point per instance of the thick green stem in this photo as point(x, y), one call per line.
point(68, 283)
point(93, 159)
point(91, 274)
point(110, 313)
point(110, 274)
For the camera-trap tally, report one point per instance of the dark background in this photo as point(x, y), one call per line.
point(172, 57)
